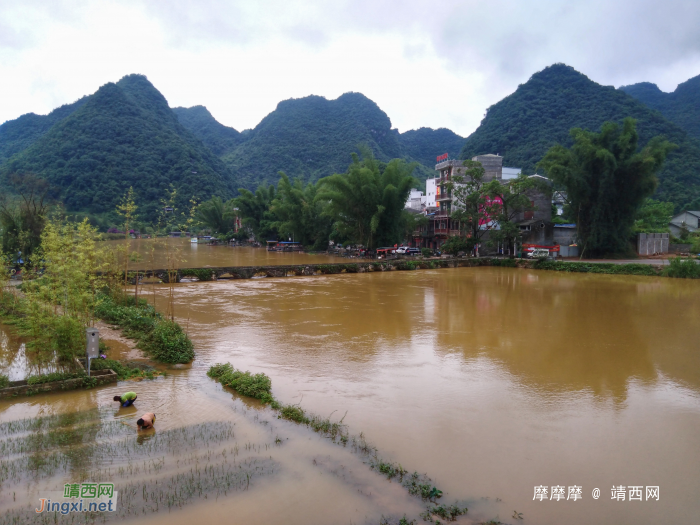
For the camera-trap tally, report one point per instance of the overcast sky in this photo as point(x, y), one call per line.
point(437, 63)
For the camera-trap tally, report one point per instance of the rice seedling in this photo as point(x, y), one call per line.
point(448, 513)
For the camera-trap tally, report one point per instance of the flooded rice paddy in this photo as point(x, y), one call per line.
point(492, 381)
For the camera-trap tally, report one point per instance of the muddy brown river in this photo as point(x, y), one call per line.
point(492, 381)
point(163, 252)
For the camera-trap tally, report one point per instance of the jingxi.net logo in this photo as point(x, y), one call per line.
point(81, 497)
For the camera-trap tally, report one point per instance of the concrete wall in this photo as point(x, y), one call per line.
point(539, 235)
point(652, 243)
point(493, 164)
point(679, 248)
point(564, 236)
point(543, 207)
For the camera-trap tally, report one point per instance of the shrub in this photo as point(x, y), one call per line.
point(258, 386)
point(4, 381)
point(427, 252)
point(294, 413)
point(122, 371)
point(683, 269)
point(163, 339)
point(68, 336)
point(136, 320)
point(584, 267)
point(454, 245)
point(53, 376)
point(167, 342)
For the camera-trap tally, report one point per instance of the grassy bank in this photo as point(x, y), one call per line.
point(162, 339)
point(678, 268)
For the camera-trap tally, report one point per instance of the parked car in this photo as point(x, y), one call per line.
point(412, 251)
point(401, 249)
point(538, 253)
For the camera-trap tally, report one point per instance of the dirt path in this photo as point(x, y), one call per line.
point(121, 348)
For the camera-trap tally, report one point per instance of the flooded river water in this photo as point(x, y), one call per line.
point(159, 253)
point(492, 381)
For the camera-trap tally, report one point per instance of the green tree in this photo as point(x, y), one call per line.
point(366, 204)
point(255, 211)
point(454, 245)
point(472, 205)
point(22, 218)
point(653, 217)
point(299, 214)
point(511, 199)
point(607, 179)
point(217, 215)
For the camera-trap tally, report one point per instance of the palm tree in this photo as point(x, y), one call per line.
point(367, 202)
point(217, 215)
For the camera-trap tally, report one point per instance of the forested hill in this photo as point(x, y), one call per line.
point(540, 113)
point(218, 138)
point(17, 135)
point(681, 107)
point(123, 135)
point(312, 137)
point(424, 144)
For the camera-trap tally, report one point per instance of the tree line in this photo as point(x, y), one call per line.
point(365, 205)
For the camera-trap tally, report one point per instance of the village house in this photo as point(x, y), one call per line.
point(688, 220)
point(437, 203)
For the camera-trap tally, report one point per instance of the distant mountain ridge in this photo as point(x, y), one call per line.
point(17, 135)
point(124, 135)
point(313, 137)
point(682, 106)
point(218, 138)
point(540, 113)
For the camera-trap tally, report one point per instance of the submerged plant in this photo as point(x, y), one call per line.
point(448, 513)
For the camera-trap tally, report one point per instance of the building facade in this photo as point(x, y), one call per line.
point(535, 226)
point(690, 220)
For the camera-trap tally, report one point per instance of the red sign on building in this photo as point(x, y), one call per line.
point(442, 157)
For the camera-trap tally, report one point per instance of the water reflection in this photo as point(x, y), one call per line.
point(492, 380)
point(156, 253)
point(18, 362)
point(564, 333)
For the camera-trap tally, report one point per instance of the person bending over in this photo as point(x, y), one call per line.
point(146, 421)
point(126, 400)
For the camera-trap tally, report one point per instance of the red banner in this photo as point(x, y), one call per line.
point(442, 157)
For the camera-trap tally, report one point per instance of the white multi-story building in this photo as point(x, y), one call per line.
point(416, 200)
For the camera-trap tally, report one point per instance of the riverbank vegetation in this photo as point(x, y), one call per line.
point(607, 180)
point(71, 281)
point(364, 205)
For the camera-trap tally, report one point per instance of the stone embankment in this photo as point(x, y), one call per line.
point(249, 272)
point(21, 388)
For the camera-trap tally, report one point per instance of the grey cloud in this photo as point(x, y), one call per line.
point(607, 40)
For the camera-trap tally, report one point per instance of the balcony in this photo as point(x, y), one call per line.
point(449, 232)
